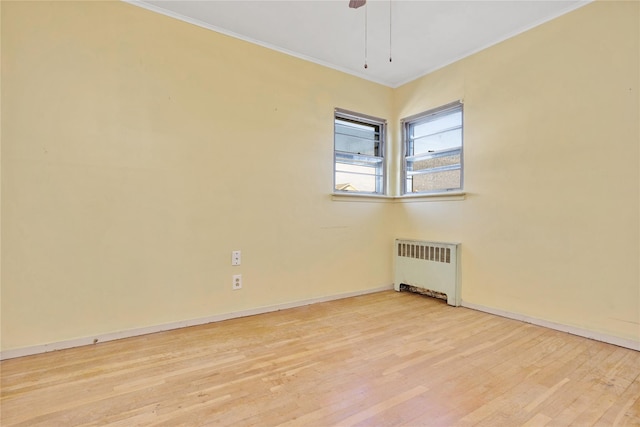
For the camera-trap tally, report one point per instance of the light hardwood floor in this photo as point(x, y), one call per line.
point(385, 359)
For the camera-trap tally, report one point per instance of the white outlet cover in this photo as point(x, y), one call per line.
point(236, 257)
point(237, 281)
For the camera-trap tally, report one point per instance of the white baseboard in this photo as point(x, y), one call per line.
point(610, 339)
point(44, 348)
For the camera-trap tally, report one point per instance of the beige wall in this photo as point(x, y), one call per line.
point(550, 225)
point(138, 151)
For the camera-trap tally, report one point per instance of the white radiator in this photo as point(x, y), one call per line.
point(432, 268)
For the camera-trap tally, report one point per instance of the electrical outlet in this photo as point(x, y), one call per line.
point(237, 281)
point(235, 257)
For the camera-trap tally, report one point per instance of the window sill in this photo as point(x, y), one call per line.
point(355, 197)
point(432, 197)
point(409, 198)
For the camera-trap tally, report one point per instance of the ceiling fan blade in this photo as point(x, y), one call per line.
point(354, 4)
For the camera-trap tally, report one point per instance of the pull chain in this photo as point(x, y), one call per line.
point(366, 8)
point(390, 31)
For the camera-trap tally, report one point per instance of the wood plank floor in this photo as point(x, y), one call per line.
point(385, 359)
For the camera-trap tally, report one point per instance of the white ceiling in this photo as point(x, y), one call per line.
point(425, 35)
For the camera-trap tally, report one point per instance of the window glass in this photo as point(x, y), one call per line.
point(433, 150)
point(358, 153)
point(356, 138)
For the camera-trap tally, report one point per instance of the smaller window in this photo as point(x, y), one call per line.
point(433, 150)
point(358, 153)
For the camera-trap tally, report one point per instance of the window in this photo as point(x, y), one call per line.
point(358, 153)
point(433, 150)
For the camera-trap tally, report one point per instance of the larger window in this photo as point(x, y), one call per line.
point(433, 150)
point(358, 153)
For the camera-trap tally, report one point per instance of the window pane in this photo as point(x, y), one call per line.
point(356, 182)
point(355, 159)
point(367, 170)
point(356, 129)
point(436, 142)
point(357, 138)
point(433, 162)
point(436, 123)
point(446, 180)
point(355, 145)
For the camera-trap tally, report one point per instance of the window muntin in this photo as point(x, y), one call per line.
point(359, 165)
point(433, 150)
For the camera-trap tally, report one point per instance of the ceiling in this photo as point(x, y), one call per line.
point(425, 35)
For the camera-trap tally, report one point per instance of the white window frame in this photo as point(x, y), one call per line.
point(349, 158)
point(408, 156)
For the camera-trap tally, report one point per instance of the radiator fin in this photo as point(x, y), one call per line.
point(426, 252)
